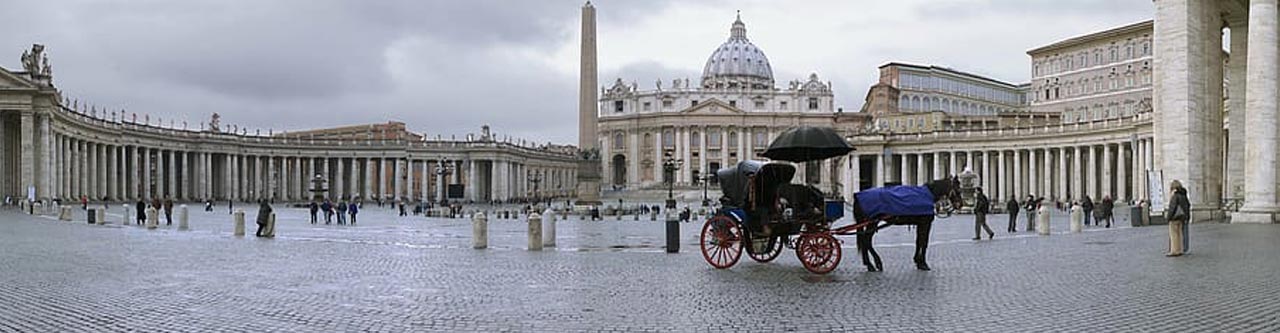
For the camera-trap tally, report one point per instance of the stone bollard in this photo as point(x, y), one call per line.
point(673, 232)
point(65, 214)
point(1077, 218)
point(653, 215)
point(549, 228)
point(182, 218)
point(479, 232)
point(102, 216)
point(636, 216)
point(535, 232)
point(238, 218)
point(1042, 220)
point(153, 218)
point(128, 214)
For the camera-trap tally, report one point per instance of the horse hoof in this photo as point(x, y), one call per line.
point(922, 266)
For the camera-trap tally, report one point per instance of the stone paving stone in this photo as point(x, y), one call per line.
point(416, 274)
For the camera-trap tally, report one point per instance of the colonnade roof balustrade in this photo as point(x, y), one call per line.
point(1015, 137)
point(109, 129)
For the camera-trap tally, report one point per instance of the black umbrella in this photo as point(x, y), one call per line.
point(804, 143)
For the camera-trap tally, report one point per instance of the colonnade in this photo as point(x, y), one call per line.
point(63, 154)
point(1055, 172)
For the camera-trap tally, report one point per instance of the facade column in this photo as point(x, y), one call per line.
point(1002, 183)
point(952, 160)
point(1261, 109)
point(855, 184)
point(27, 152)
point(1033, 176)
point(986, 173)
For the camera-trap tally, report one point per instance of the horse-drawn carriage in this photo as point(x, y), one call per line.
point(763, 211)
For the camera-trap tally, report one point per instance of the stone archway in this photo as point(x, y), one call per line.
point(619, 170)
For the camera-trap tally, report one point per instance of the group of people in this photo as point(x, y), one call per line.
point(342, 209)
point(1177, 213)
point(165, 207)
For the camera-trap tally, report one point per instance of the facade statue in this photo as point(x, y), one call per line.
point(214, 123)
point(658, 84)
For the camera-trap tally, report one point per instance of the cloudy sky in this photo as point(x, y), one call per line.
point(448, 66)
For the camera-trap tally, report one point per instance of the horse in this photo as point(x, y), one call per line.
point(942, 189)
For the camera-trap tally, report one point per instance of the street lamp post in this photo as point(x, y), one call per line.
point(442, 172)
point(534, 178)
point(706, 182)
point(669, 166)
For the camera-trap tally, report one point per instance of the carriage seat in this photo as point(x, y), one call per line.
point(805, 201)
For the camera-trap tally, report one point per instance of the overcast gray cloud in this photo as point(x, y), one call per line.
point(446, 67)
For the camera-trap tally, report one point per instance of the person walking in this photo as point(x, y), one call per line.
point(208, 205)
point(327, 209)
point(141, 211)
point(264, 216)
point(231, 206)
point(342, 212)
point(1011, 207)
point(1177, 213)
point(314, 208)
point(1105, 209)
point(401, 205)
point(168, 211)
point(1087, 206)
point(980, 210)
point(353, 209)
point(1030, 206)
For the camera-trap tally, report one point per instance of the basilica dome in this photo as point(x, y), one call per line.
point(737, 63)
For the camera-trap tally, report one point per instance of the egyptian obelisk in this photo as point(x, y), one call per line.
point(589, 164)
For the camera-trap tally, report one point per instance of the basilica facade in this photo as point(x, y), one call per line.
point(730, 114)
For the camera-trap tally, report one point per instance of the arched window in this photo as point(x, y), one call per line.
point(618, 141)
point(695, 140)
point(668, 139)
point(733, 139)
point(648, 141)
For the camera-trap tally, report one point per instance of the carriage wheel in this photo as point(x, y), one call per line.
point(771, 251)
point(820, 253)
point(721, 242)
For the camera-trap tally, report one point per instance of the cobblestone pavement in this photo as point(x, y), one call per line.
point(416, 274)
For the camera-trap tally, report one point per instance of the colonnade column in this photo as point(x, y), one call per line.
point(1046, 172)
point(937, 165)
point(855, 184)
point(1260, 115)
point(1106, 171)
point(921, 175)
point(880, 170)
point(1062, 175)
point(1092, 165)
point(902, 173)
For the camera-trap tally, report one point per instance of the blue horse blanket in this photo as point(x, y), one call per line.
point(896, 201)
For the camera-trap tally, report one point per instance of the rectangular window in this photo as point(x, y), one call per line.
point(617, 106)
point(668, 139)
point(693, 103)
point(666, 104)
point(813, 103)
point(759, 105)
point(646, 106)
point(733, 104)
point(713, 140)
